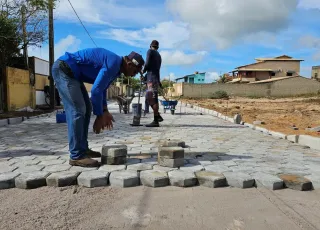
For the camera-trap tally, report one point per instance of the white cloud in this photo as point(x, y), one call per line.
point(67, 44)
point(312, 43)
point(309, 4)
point(180, 58)
point(221, 23)
point(169, 34)
point(110, 12)
point(211, 77)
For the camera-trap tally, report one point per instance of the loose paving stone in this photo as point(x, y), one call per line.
point(7, 180)
point(93, 179)
point(114, 151)
point(211, 179)
point(315, 179)
point(172, 163)
point(268, 181)
point(296, 182)
point(56, 168)
point(31, 180)
point(192, 168)
point(62, 179)
point(171, 152)
point(182, 178)
point(152, 178)
point(114, 160)
point(82, 169)
point(204, 163)
point(124, 179)
point(140, 167)
point(217, 168)
point(30, 168)
point(172, 143)
point(52, 162)
point(163, 169)
point(112, 168)
point(239, 180)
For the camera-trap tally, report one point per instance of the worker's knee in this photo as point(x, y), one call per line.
point(152, 97)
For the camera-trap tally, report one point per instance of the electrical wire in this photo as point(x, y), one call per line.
point(82, 23)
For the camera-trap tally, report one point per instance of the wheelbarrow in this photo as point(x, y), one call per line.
point(169, 105)
point(124, 103)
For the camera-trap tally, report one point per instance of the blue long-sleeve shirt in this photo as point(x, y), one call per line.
point(96, 66)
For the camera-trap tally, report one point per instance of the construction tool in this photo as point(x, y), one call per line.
point(137, 114)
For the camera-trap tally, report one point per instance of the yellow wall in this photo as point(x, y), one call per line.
point(41, 81)
point(20, 93)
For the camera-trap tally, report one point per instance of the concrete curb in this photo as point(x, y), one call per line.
point(305, 140)
point(18, 120)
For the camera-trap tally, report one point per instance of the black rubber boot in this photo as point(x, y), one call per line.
point(160, 119)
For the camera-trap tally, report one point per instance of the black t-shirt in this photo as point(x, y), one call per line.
point(152, 66)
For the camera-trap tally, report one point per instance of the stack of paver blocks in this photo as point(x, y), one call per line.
point(171, 153)
point(114, 154)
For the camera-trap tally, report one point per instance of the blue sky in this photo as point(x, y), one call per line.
point(212, 36)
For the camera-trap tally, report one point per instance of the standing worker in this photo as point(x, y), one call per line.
point(99, 67)
point(152, 68)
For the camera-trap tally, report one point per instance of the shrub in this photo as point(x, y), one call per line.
point(220, 94)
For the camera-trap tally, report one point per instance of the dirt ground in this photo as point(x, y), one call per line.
point(167, 208)
point(278, 114)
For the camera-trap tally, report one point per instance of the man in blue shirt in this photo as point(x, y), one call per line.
point(99, 67)
point(152, 68)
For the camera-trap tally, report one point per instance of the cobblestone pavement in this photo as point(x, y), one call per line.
point(37, 149)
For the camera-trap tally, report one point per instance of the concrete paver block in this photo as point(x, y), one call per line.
point(62, 179)
point(192, 168)
point(4, 167)
point(172, 163)
point(14, 120)
point(171, 152)
point(124, 179)
point(26, 163)
point(30, 168)
point(172, 143)
point(112, 168)
point(7, 180)
point(296, 182)
point(52, 162)
point(93, 179)
point(315, 179)
point(131, 161)
point(140, 167)
point(239, 180)
point(217, 168)
point(152, 178)
point(163, 169)
point(269, 181)
point(3, 122)
point(293, 138)
point(182, 178)
point(56, 168)
point(114, 150)
point(278, 134)
point(211, 179)
point(31, 180)
point(114, 160)
point(152, 161)
point(82, 169)
point(237, 119)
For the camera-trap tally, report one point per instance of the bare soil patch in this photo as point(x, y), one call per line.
point(278, 114)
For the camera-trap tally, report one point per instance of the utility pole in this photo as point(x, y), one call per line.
point(25, 38)
point(51, 54)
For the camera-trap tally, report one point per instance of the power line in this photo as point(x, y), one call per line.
point(82, 23)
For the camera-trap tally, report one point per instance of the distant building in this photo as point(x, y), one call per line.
point(267, 68)
point(196, 78)
point(315, 73)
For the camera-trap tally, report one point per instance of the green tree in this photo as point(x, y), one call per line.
point(9, 40)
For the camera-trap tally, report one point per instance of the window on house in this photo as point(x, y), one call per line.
point(273, 74)
point(289, 74)
point(316, 75)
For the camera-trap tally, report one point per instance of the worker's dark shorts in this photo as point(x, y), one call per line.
point(152, 93)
